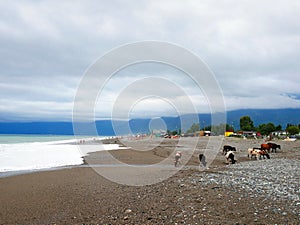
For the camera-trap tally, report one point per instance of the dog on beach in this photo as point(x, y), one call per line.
point(202, 160)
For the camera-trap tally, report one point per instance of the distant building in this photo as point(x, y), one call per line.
point(228, 133)
point(250, 133)
point(159, 133)
point(203, 133)
point(279, 133)
point(189, 135)
point(200, 133)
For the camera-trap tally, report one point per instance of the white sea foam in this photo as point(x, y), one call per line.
point(43, 155)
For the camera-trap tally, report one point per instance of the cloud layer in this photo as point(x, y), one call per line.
point(46, 46)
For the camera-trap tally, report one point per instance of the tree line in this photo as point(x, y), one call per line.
point(247, 124)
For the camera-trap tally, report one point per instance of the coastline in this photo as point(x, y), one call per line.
point(79, 195)
point(30, 153)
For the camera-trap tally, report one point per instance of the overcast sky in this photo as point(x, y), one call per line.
point(252, 47)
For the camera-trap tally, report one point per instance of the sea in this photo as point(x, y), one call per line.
point(28, 153)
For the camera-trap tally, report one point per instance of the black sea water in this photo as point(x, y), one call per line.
point(37, 152)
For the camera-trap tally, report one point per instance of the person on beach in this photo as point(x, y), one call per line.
point(202, 160)
point(177, 158)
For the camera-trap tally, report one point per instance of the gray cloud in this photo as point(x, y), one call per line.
point(45, 47)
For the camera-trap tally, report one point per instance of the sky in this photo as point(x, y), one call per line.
point(47, 47)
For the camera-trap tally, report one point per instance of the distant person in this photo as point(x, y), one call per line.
point(202, 160)
point(177, 158)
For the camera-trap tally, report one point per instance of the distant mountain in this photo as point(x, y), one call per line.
point(118, 127)
point(58, 128)
point(259, 116)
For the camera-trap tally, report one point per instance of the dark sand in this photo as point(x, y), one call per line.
point(82, 196)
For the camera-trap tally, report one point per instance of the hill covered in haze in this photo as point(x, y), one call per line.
point(106, 127)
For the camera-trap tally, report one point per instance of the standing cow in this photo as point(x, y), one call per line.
point(274, 146)
point(230, 157)
point(270, 146)
point(227, 148)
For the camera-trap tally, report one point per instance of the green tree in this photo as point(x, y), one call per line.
point(207, 128)
point(266, 129)
point(229, 127)
point(278, 128)
point(174, 132)
point(292, 130)
point(246, 123)
point(195, 127)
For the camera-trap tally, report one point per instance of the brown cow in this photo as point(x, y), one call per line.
point(274, 146)
point(265, 147)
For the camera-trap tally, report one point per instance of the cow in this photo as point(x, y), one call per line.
point(265, 147)
point(274, 146)
point(227, 148)
point(230, 157)
point(254, 152)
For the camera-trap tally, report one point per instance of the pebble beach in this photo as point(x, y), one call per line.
point(249, 192)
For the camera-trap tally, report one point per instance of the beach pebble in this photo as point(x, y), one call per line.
point(127, 211)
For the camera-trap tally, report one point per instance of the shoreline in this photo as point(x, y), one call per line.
point(120, 155)
point(32, 155)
